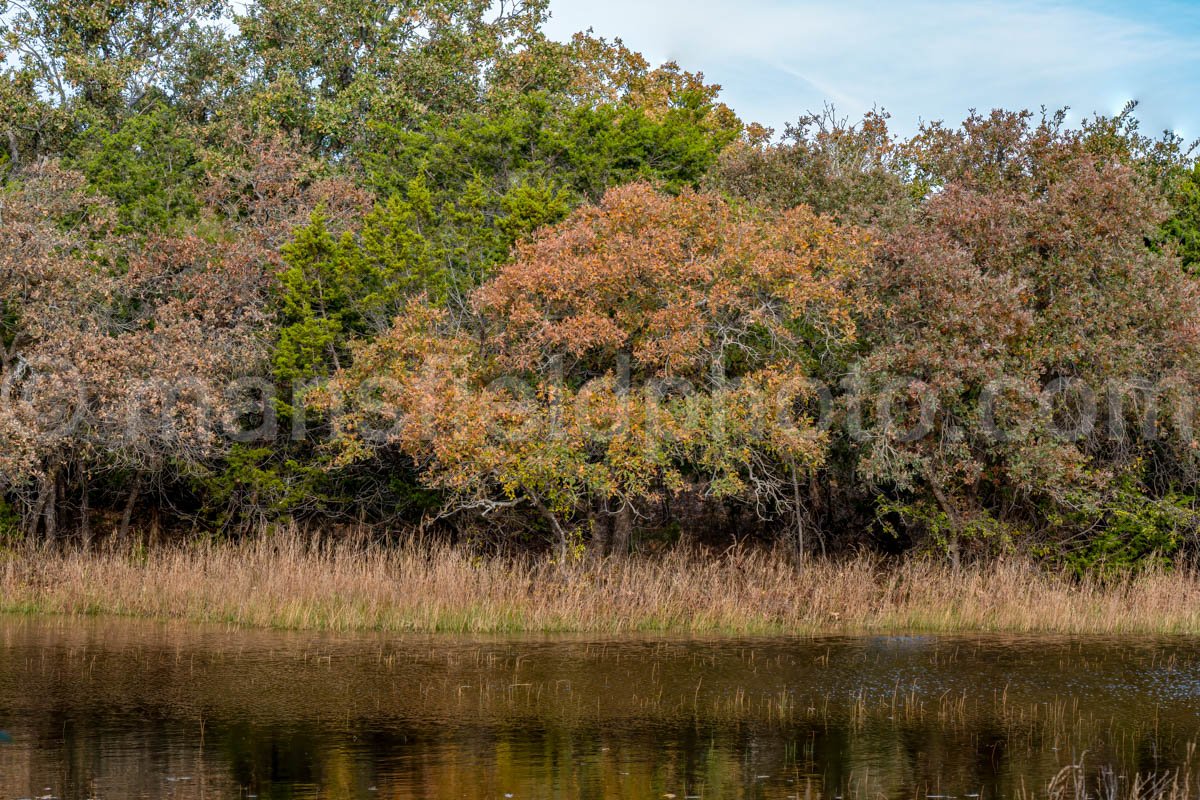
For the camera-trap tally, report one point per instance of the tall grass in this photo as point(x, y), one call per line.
point(288, 582)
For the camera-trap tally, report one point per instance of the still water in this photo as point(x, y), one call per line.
point(116, 709)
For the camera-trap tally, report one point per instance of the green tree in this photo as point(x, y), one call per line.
point(101, 58)
point(324, 68)
point(1183, 227)
point(149, 166)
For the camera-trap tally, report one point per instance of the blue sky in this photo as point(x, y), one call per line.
point(932, 59)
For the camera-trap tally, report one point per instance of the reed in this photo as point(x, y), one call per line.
point(286, 581)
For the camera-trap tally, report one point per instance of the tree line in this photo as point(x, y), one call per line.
point(415, 266)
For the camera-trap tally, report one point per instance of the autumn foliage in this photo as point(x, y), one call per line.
point(313, 265)
point(647, 345)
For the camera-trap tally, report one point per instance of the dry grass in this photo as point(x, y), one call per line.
point(284, 582)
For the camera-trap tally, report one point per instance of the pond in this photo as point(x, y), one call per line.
point(120, 709)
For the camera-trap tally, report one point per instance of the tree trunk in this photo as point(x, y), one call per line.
point(85, 513)
point(598, 527)
point(154, 537)
point(127, 514)
point(622, 530)
point(45, 507)
point(14, 153)
point(33, 521)
point(952, 548)
point(952, 545)
point(50, 513)
point(815, 510)
point(798, 543)
point(560, 533)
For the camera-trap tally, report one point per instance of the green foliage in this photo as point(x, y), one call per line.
point(583, 148)
point(149, 166)
point(327, 66)
point(335, 291)
point(257, 484)
point(10, 523)
point(476, 184)
point(263, 484)
point(95, 60)
point(1183, 228)
point(316, 291)
point(1129, 530)
point(935, 532)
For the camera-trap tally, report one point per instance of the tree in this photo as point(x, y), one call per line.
point(323, 69)
point(1182, 229)
point(1021, 294)
point(645, 344)
point(472, 186)
point(118, 359)
point(283, 211)
point(148, 166)
point(48, 293)
point(100, 59)
point(860, 173)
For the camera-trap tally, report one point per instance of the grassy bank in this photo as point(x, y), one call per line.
point(283, 583)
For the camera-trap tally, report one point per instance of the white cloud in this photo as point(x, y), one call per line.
point(923, 59)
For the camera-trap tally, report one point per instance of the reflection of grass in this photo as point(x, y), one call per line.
point(281, 582)
point(823, 719)
point(1076, 782)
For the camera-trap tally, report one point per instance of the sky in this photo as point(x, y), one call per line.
point(926, 60)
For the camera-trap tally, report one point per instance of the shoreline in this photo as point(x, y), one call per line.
point(281, 582)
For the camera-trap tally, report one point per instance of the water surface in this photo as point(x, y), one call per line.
point(118, 709)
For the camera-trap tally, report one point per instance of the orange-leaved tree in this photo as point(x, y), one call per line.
point(649, 344)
